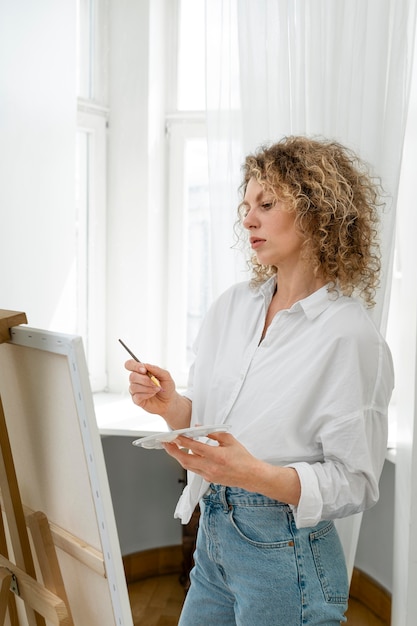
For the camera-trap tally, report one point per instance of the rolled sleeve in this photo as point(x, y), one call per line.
point(308, 512)
point(346, 481)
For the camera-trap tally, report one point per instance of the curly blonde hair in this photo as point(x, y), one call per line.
point(335, 200)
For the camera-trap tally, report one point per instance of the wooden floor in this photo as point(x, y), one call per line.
point(157, 602)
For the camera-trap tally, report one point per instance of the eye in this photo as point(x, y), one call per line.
point(266, 206)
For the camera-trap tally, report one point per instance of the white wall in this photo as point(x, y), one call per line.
point(37, 148)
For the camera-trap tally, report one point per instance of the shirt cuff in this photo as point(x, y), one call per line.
point(309, 510)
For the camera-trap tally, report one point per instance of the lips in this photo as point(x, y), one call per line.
point(255, 242)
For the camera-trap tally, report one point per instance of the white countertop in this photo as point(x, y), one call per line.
point(117, 415)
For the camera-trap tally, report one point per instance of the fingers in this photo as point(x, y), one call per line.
point(187, 461)
point(222, 438)
point(201, 461)
point(203, 449)
point(143, 390)
point(158, 376)
point(134, 366)
point(182, 445)
point(225, 463)
point(142, 378)
point(141, 387)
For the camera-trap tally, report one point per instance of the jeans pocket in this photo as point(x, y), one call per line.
point(262, 526)
point(330, 564)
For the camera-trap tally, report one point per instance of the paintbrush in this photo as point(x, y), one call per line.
point(151, 376)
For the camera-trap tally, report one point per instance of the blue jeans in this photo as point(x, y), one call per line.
point(254, 567)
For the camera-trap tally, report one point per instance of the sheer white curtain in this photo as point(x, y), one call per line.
point(316, 67)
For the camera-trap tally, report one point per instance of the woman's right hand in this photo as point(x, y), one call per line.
point(145, 393)
point(164, 400)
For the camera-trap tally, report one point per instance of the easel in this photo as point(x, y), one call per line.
point(44, 600)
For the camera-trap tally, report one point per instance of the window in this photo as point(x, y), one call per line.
point(188, 212)
point(90, 270)
point(189, 242)
point(91, 240)
point(190, 92)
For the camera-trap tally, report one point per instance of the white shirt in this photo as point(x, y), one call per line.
point(312, 395)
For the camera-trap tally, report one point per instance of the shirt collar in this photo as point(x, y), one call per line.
point(312, 306)
point(317, 302)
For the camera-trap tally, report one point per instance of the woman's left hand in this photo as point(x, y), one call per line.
point(228, 463)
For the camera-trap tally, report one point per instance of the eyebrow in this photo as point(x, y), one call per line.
point(258, 197)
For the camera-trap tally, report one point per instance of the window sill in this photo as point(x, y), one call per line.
point(391, 455)
point(117, 415)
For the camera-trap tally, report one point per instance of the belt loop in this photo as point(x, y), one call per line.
point(223, 492)
point(221, 496)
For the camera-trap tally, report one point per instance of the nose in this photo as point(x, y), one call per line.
point(250, 220)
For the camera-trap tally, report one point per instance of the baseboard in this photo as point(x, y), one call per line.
point(371, 594)
point(155, 562)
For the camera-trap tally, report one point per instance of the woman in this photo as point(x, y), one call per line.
point(293, 363)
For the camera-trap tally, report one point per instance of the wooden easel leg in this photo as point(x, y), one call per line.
point(47, 558)
point(14, 513)
point(14, 621)
point(5, 580)
point(13, 616)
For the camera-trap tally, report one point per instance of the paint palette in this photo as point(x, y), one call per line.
point(154, 442)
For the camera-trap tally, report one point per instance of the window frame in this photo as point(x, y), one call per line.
point(91, 237)
point(180, 128)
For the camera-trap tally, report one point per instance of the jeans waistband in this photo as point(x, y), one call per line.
point(238, 497)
